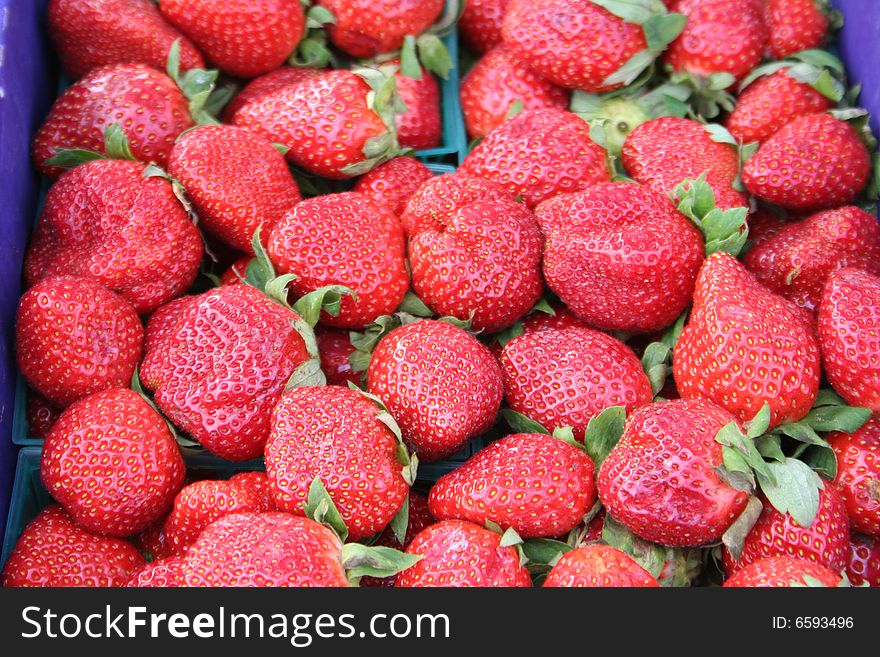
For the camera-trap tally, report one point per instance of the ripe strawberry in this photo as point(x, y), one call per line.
point(566, 377)
point(335, 348)
point(218, 363)
point(54, 551)
point(561, 319)
point(392, 184)
point(101, 32)
point(495, 83)
point(420, 125)
point(744, 346)
point(244, 40)
point(782, 572)
point(151, 542)
point(813, 162)
point(849, 322)
point(461, 554)
point(663, 152)
point(256, 482)
point(536, 484)
point(620, 256)
point(41, 415)
point(236, 272)
point(264, 85)
point(343, 239)
point(236, 180)
point(538, 154)
point(764, 224)
point(419, 518)
point(480, 24)
point(794, 25)
point(858, 474)
point(440, 384)
point(163, 573)
point(438, 198)
point(75, 338)
point(598, 566)
point(147, 104)
point(667, 440)
point(863, 564)
point(105, 220)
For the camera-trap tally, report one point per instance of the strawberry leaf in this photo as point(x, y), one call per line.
point(758, 425)
point(519, 423)
point(770, 447)
point(822, 459)
point(327, 299)
point(317, 16)
point(723, 230)
point(320, 507)
point(656, 362)
point(793, 489)
point(681, 566)
point(412, 305)
point(434, 55)
point(510, 538)
point(734, 538)
point(662, 28)
point(307, 374)
point(508, 334)
point(545, 551)
point(260, 269)
point(374, 561)
point(400, 522)
point(603, 433)
point(409, 59)
point(632, 68)
point(116, 143)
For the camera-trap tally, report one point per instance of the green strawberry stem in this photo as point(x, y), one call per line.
point(657, 359)
point(386, 103)
point(319, 506)
point(374, 561)
point(709, 95)
point(115, 148)
point(820, 69)
point(723, 230)
point(196, 84)
point(312, 50)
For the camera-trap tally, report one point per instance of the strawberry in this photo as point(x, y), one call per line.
point(813, 162)
point(456, 553)
point(683, 502)
point(797, 261)
point(863, 564)
point(54, 551)
point(152, 543)
point(236, 272)
point(107, 221)
point(244, 40)
point(41, 415)
point(858, 474)
point(335, 348)
point(265, 85)
point(536, 484)
point(93, 33)
point(495, 83)
point(74, 338)
point(561, 318)
point(764, 224)
point(620, 256)
point(793, 26)
point(849, 320)
point(343, 239)
point(440, 384)
point(566, 377)
point(391, 184)
point(538, 154)
point(782, 572)
point(258, 483)
point(598, 566)
point(436, 200)
point(480, 24)
point(418, 518)
point(744, 346)
point(236, 181)
point(163, 573)
point(147, 104)
point(420, 125)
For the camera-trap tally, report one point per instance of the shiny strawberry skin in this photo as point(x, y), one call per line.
point(236, 181)
point(858, 474)
point(565, 377)
point(781, 571)
point(682, 502)
point(536, 484)
point(92, 33)
point(573, 43)
point(335, 348)
point(105, 220)
point(794, 25)
point(457, 553)
point(265, 85)
point(538, 154)
point(392, 183)
point(814, 162)
point(480, 24)
point(218, 364)
point(744, 346)
point(598, 566)
point(419, 518)
point(498, 80)
point(863, 564)
point(849, 334)
point(147, 104)
point(75, 338)
point(258, 483)
point(265, 549)
point(242, 39)
point(41, 415)
point(343, 239)
point(54, 551)
point(437, 199)
point(441, 385)
point(162, 573)
point(420, 126)
point(335, 433)
point(620, 256)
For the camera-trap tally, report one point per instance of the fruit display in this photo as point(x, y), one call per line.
point(279, 326)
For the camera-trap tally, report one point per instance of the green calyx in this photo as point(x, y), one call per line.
point(723, 230)
point(709, 95)
point(313, 50)
point(197, 86)
point(818, 68)
point(115, 148)
point(657, 358)
point(427, 49)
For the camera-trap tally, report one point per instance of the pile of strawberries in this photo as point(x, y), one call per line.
point(648, 300)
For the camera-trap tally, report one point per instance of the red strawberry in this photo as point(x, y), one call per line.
point(236, 272)
point(764, 224)
point(814, 162)
point(863, 564)
point(441, 385)
point(438, 198)
point(75, 338)
point(620, 256)
point(258, 483)
point(391, 184)
point(794, 25)
point(849, 333)
point(456, 553)
point(744, 346)
point(536, 484)
point(41, 415)
point(598, 566)
point(683, 501)
point(420, 126)
point(163, 573)
point(419, 518)
point(561, 318)
point(565, 377)
point(105, 220)
point(799, 258)
point(147, 104)
point(538, 154)
point(151, 541)
point(242, 39)
point(335, 348)
point(343, 239)
point(480, 24)
point(495, 83)
point(218, 364)
point(93, 33)
point(236, 180)
point(782, 572)
point(663, 152)
point(264, 85)
point(54, 551)
point(858, 474)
